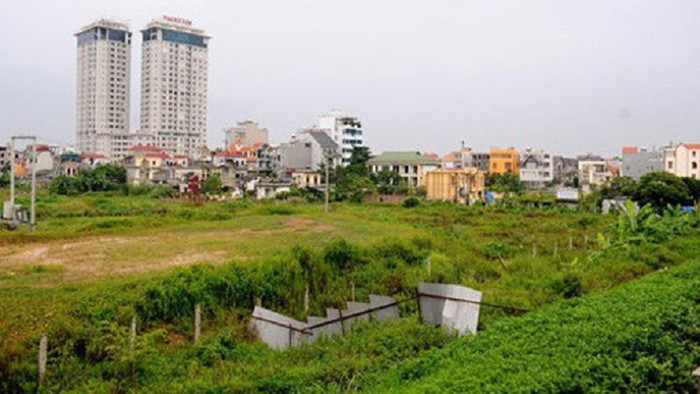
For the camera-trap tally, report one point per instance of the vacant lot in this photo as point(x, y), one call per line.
point(96, 260)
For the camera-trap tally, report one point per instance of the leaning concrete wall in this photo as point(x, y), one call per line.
point(450, 306)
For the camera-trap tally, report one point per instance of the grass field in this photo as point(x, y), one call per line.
point(96, 260)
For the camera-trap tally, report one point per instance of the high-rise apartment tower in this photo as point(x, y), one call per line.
point(174, 85)
point(103, 78)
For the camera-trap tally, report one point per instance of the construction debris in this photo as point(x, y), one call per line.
point(454, 307)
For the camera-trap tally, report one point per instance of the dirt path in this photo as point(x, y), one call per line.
point(105, 256)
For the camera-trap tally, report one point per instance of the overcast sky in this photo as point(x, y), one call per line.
point(567, 76)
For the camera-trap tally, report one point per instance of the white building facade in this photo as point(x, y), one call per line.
point(346, 131)
point(103, 80)
point(536, 168)
point(683, 160)
point(174, 85)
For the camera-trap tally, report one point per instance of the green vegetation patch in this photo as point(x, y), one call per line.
point(641, 337)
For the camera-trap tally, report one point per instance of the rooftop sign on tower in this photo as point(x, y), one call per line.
point(180, 21)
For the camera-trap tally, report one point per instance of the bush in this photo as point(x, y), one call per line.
point(410, 202)
point(494, 250)
point(569, 286)
point(342, 255)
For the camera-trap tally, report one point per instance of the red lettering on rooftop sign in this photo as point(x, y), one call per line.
point(181, 21)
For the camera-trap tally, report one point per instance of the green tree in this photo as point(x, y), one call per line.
point(354, 187)
point(63, 185)
point(693, 188)
point(661, 189)
point(212, 184)
point(5, 176)
point(507, 182)
point(389, 182)
point(617, 187)
point(358, 161)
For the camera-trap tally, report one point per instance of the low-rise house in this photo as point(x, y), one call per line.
point(639, 161)
point(593, 173)
point(223, 158)
point(69, 163)
point(565, 169)
point(308, 150)
point(93, 160)
point(45, 160)
point(466, 158)
point(682, 160)
point(411, 165)
point(5, 156)
point(142, 162)
point(504, 161)
point(268, 159)
point(461, 185)
point(304, 179)
point(264, 190)
point(536, 168)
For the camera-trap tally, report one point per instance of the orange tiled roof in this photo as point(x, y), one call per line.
point(630, 149)
point(452, 156)
point(147, 148)
point(692, 146)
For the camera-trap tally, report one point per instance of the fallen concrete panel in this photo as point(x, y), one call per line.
point(276, 330)
point(386, 313)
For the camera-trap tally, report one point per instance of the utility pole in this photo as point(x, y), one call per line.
point(327, 183)
point(32, 206)
point(12, 172)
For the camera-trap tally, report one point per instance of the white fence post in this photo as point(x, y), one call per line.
point(43, 350)
point(197, 322)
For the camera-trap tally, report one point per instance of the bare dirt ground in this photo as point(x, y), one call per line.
point(105, 256)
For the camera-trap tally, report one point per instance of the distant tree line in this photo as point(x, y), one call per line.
point(108, 177)
point(659, 189)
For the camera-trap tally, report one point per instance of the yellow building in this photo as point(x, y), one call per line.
point(502, 161)
point(463, 185)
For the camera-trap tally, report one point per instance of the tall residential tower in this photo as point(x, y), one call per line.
point(174, 85)
point(104, 58)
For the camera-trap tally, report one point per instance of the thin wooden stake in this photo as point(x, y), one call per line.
point(342, 321)
point(571, 242)
point(43, 350)
point(306, 298)
point(352, 291)
point(534, 251)
point(197, 322)
point(429, 266)
point(585, 241)
point(503, 263)
point(556, 247)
